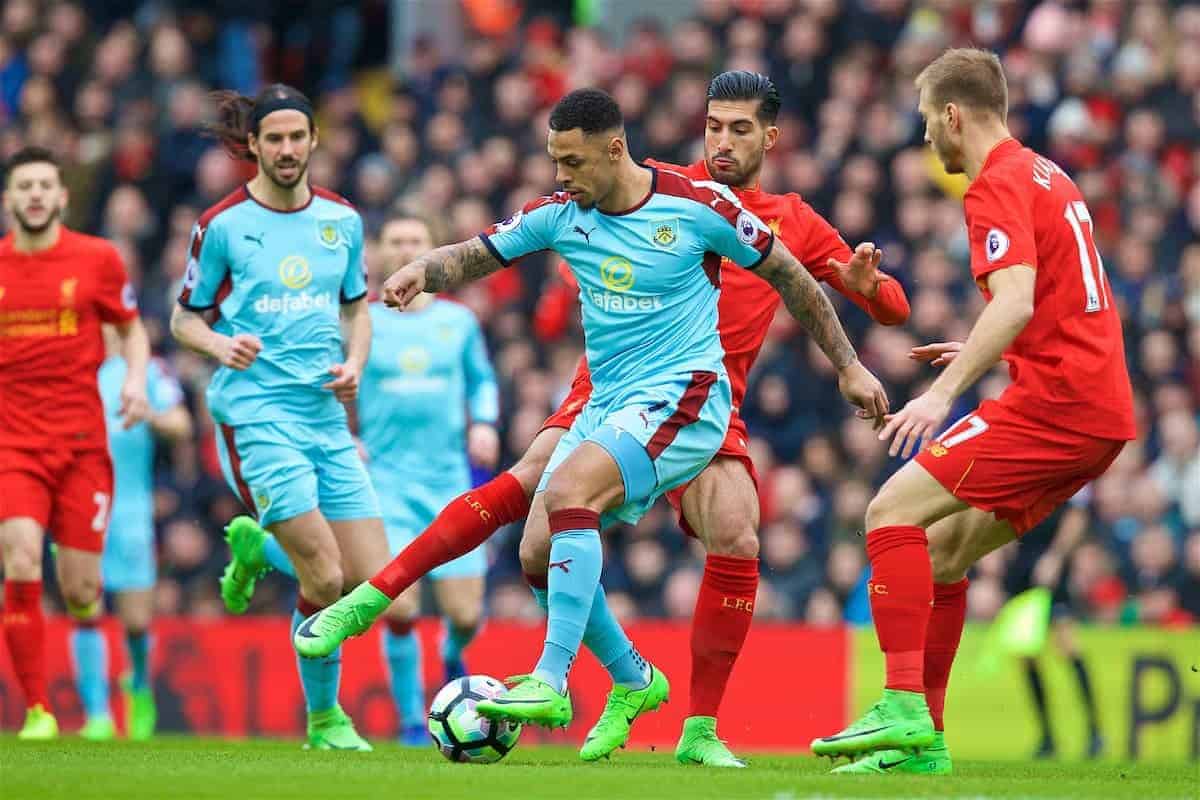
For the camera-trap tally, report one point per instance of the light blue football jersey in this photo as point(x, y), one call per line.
point(283, 277)
point(428, 375)
point(648, 278)
point(133, 450)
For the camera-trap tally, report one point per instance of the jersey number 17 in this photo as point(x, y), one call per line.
point(1077, 215)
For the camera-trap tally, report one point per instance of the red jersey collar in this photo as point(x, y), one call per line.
point(1002, 149)
point(8, 244)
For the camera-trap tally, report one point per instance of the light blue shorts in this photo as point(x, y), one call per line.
point(128, 563)
point(281, 470)
point(660, 435)
point(410, 509)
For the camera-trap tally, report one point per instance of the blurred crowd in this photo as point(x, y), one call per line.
point(1108, 89)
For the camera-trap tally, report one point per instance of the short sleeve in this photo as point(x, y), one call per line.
point(734, 232)
point(812, 240)
point(116, 301)
point(354, 282)
point(207, 267)
point(165, 391)
point(1000, 227)
point(530, 230)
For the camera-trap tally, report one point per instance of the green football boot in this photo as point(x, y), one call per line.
point(900, 721)
point(530, 701)
point(624, 705)
point(99, 729)
point(324, 631)
point(699, 745)
point(247, 564)
point(333, 730)
point(140, 710)
point(932, 760)
point(40, 725)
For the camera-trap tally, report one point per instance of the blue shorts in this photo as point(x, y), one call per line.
point(410, 510)
point(660, 435)
point(128, 563)
point(281, 470)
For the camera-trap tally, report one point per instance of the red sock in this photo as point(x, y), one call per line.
point(941, 643)
point(901, 590)
point(306, 607)
point(464, 524)
point(724, 608)
point(25, 633)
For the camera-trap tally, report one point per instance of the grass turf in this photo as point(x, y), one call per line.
point(181, 767)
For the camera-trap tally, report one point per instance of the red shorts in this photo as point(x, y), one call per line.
point(1020, 469)
point(68, 493)
point(734, 446)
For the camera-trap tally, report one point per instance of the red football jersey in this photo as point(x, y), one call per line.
point(748, 303)
point(51, 306)
point(1068, 365)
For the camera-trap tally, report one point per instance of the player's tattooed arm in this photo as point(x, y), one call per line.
point(456, 264)
point(808, 303)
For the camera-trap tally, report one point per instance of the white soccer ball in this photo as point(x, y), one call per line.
point(462, 735)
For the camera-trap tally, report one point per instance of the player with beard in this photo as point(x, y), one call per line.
point(56, 288)
point(721, 505)
point(282, 263)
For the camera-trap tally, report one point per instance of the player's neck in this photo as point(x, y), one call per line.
point(26, 242)
point(630, 189)
point(272, 195)
point(977, 147)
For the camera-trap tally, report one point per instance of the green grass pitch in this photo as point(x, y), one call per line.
point(248, 770)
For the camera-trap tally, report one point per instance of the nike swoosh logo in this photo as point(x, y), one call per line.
point(856, 733)
point(889, 765)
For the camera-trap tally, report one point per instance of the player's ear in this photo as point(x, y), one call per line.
point(616, 148)
point(314, 138)
point(770, 137)
point(252, 144)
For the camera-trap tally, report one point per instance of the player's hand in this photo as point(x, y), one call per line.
point(864, 390)
point(135, 405)
point(345, 382)
point(483, 445)
point(915, 423)
point(862, 273)
point(938, 354)
point(404, 284)
point(238, 352)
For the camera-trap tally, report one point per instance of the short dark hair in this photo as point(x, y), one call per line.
point(31, 154)
point(742, 84)
point(969, 77)
point(590, 110)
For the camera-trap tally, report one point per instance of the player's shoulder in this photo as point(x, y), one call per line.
point(556, 201)
point(84, 244)
point(325, 201)
point(694, 171)
point(215, 212)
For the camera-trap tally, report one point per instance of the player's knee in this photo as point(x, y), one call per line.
point(465, 617)
point(560, 495)
point(82, 598)
point(732, 537)
point(884, 510)
point(534, 552)
point(324, 585)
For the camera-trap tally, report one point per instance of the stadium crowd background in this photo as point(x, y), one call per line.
point(1109, 89)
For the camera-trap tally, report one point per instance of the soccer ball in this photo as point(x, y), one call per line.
point(462, 735)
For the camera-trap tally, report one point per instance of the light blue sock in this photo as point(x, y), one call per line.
point(608, 641)
point(403, 655)
point(90, 651)
point(456, 640)
point(277, 558)
point(320, 677)
point(572, 586)
point(139, 658)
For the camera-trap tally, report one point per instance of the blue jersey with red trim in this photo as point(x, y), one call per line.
point(281, 276)
point(649, 277)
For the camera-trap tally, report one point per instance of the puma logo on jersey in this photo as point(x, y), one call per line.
point(587, 235)
point(256, 239)
point(562, 565)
